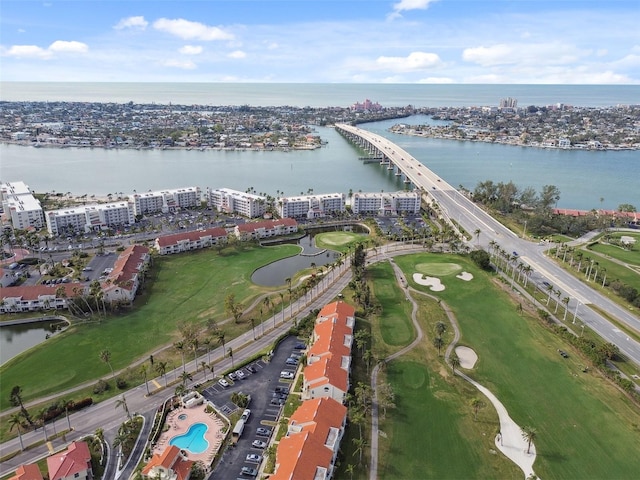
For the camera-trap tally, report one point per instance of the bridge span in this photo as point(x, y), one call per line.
point(456, 208)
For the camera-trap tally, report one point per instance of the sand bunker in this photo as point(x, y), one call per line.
point(467, 356)
point(433, 283)
point(466, 276)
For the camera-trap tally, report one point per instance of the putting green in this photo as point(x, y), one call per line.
point(438, 269)
point(337, 238)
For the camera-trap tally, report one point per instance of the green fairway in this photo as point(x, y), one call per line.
point(190, 287)
point(437, 269)
point(337, 240)
point(586, 427)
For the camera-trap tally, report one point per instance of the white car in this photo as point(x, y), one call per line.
point(246, 414)
point(259, 444)
point(223, 383)
point(254, 458)
point(287, 375)
point(240, 374)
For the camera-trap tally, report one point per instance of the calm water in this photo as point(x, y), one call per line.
point(18, 338)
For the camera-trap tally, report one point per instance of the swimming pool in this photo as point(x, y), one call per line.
point(193, 440)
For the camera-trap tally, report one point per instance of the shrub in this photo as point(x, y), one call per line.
point(121, 383)
point(100, 387)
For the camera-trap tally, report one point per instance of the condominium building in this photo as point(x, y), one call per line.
point(194, 240)
point(88, 218)
point(165, 200)
point(20, 207)
point(311, 206)
point(384, 203)
point(233, 201)
point(266, 229)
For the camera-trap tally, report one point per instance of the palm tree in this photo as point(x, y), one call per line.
point(42, 419)
point(476, 404)
point(15, 398)
point(529, 435)
point(477, 233)
point(179, 345)
point(15, 420)
point(105, 356)
point(143, 370)
point(185, 377)
point(454, 361)
point(565, 301)
point(438, 343)
point(203, 364)
point(440, 328)
point(122, 403)
point(360, 444)
point(161, 368)
point(220, 336)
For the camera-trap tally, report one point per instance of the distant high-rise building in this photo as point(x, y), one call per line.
point(508, 103)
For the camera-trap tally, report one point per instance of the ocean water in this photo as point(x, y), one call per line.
point(586, 179)
point(321, 95)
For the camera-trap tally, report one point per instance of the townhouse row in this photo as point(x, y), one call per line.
point(312, 442)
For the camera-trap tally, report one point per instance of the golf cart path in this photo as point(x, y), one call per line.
point(509, 441)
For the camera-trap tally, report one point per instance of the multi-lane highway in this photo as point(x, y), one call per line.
point(455, 206)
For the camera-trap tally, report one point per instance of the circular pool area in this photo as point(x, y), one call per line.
point(182, 417)
point(193, 440)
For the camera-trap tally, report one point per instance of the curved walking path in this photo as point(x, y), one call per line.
point(509, 441)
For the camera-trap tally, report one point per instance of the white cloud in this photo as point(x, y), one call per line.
point(132, 22)
point(524, 54)
point(488, 56)
point(407, 5)
point(436, 80)
point(191, 50)
point(412, 62)
point(182, 64)
point(188, 30)
point(237, 54)
point(61, 46)
point(26, 51)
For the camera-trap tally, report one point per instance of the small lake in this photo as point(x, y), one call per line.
point(16, 339)
point(276, 273)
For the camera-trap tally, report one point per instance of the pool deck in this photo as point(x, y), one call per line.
point(196, 414)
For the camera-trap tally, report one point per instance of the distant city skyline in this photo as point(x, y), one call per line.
point(322, 41)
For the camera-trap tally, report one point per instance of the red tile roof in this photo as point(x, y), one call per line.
point(127, 266)
point(266, 224)
point(191, 236)
point(27, 472)
point(76, 459)
point(170, 459)
point(33, 292)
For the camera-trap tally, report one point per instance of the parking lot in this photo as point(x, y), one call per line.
point(265, 408)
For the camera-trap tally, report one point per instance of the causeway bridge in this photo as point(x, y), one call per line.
point(456, 208)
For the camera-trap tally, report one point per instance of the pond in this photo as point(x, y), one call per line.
point(15, 339)
point(276, 273)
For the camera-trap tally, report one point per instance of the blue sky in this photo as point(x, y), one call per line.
point(322, 41)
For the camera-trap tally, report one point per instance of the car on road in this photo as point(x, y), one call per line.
point(263, 432)
point(250, 472)
point(515, 254)
point(254, 458)
point(223, 383)
point(259, 444)
point(287, 375)
point(546, 284)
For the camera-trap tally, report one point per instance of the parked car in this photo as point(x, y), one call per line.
point(233, 376)
point(246, 414)
point(259, 444)
point(300, 346)
point(287, 375)
point(223, 383)
point(263, 432)
point(277, 402)
point(254, 458)
point(240, 374)
point(251, 368)
point(251, 472)
point(284, 390)
point(292, 361)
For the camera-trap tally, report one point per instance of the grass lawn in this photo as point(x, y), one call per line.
point(189, 287)
point(631, 257)
point(586, 427)
point(431, 433)
point(338, 241)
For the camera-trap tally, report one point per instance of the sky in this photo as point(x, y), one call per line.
point(322, 41)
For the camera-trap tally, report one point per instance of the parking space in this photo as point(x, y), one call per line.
point(260, 380)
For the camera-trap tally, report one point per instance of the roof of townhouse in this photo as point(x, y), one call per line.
point(127, 265)
point(191, 236)
point(330, 337)
point(328, 369)
point(308, 444)
point(170, 459)
point(27, 472)
point(267, 224)
point(33, 292)
point(340, 308)
point(75, 459)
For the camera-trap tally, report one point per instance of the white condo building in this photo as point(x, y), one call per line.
point(20, 206)
point(385, 203)
point(233, 201)
point(311, 206)
point(87, 218)
point(165, 200)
